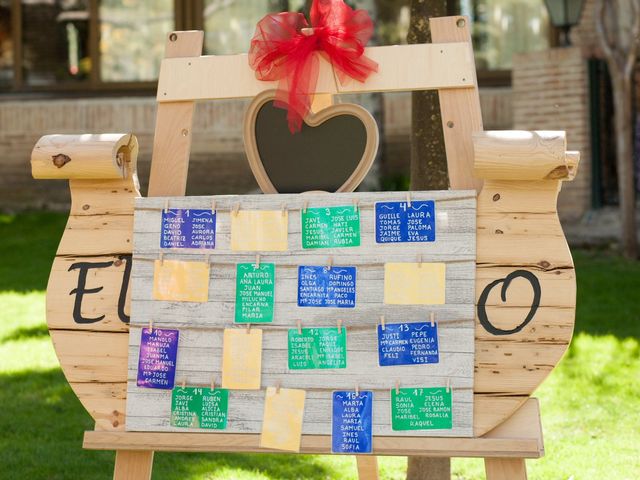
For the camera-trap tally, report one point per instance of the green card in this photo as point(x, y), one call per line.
point(255, 292)
point(330, 227)
point(197, 407)
point(421, 409)
point(317, 348)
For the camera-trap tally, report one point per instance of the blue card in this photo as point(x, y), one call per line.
point(157, 360)
point(326, 286)
point(408, 344)
point(397, 222)
point(352, 421)
point(188, 228)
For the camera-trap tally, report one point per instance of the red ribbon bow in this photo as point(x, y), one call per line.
point(283, 48)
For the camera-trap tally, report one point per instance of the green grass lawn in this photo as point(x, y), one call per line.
point(590, 403)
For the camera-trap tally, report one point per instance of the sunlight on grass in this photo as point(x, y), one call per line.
point(24, 340)
point(590, 403)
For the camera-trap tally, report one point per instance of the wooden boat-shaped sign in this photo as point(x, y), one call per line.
point(525, 279)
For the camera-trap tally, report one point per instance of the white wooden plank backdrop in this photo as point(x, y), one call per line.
point(201, 324)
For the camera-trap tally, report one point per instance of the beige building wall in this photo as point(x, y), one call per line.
point(551, 92)
point(217, 164)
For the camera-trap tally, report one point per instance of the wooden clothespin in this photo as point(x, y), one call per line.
point(248, 328)
point(305, 205)
point(432, 317)
point(357, 389)
point(161, 258)
point(277, 388)
point(284, 209)
point(408, 199)
point(213, 206)
point(448, 384)
point(339, 325)
point(151, 325)
point(213, 383)
point(299, 323)
point(330, 263)
point(397, 387)
point(382, 322)
point(207, 259)
point(355, 204)
point(166, 205)
point(419, 260)
point(236, 209)
point(257, 264)
point(184, 383)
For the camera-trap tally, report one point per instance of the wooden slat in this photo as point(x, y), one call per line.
point(460, 108)
point(505, 469)
point(133, 465)
point(402, 67)
point(172, 139)
point(367, 467)
point(519, 437)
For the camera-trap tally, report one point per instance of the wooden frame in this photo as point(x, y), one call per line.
point(313, 120)
point(518, 233)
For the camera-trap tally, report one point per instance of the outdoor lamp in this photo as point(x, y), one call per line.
point(564, 15)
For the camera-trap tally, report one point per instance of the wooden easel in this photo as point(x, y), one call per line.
point(506, 421)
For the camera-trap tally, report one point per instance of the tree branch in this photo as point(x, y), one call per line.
point(632, 54)
point(610, 52)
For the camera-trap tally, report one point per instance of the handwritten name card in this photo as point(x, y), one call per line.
point(421, 409)
point(407, 344)
point(157, 358)
point(197, 407)
point(188, 228)
point(330, 227)
point(398, 222)
point(255, 292)
point(352, 422)
point(317, 348)
point(326, 286)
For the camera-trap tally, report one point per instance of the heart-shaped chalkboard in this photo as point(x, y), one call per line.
point(333, 152)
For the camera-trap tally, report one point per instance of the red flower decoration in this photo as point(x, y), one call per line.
point(284, 45)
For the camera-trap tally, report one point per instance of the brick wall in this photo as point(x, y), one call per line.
point(550, 92)
point(217, 164)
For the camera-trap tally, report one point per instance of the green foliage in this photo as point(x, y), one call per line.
point(590, 403)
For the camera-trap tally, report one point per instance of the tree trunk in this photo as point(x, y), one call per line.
point(428, 157)
point(428, 172)
point(623, 120)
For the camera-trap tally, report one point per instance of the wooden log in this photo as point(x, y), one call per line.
point(88, 156)
point(521, 155)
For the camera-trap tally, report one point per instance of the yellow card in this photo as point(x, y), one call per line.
point(282, 421)
point(259, 230)
point(181, 281)
point(241, 359)
point(414, 283)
